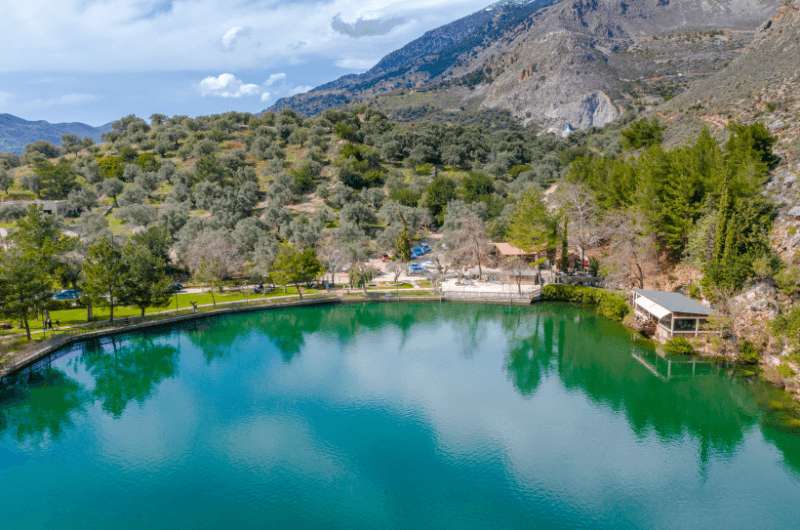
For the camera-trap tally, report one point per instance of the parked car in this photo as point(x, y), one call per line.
point(176, 287)
point(67, 295)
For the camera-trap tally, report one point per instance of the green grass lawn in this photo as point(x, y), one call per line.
point(73, 316)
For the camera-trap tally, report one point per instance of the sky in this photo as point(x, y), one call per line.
point(97, 60)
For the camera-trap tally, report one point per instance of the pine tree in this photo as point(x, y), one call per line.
point(104, 274)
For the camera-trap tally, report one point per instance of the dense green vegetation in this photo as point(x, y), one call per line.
point(702, 202)
point(609, 304)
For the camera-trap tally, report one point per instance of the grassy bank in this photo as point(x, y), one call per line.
point(181, 301)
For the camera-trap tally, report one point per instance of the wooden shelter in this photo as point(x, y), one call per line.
point(673, 314)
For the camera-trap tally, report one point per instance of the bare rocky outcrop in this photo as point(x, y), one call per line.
point(561, 64)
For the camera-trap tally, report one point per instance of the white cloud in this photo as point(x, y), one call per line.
point(265, 97)
point(275, 78)
point(228, 86)
point(200, 35)
point(232, 36)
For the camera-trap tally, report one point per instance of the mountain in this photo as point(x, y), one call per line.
point(16, 133)
point(561, 64)
point(421, 62)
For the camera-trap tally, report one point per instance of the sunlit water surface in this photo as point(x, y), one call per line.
point(390, 416)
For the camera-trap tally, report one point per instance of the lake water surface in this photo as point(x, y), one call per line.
point(398, 416)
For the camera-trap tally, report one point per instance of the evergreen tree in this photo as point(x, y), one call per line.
point(402, 247)
point(532, 228)
point(25, 285)
point(146, 283)
point(104, 273)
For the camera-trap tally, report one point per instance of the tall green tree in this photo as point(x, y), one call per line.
point(295, 266)
point(40, 235)
point(438, 194)
point(55, 180)
point(25, 285)
point(402, 246)
point(146, 283)
point(104, 273)
point(532, 227)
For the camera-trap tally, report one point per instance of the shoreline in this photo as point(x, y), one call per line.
point(16, 362)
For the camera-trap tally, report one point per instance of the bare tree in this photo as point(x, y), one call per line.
point(632, 246)
point(579, 205)
point(464, 234)
point(212, 257)
point(331, 253)
point(396, 268)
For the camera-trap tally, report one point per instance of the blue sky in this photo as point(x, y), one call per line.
point(97, 60)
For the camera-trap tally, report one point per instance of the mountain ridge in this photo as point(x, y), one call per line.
point(16, 132)
point(561, 64)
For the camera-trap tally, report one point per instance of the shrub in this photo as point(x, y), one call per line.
point(12, 212)
point(679, 346)
point(785, 371)
point(610, 305)
point(748, 353)
point(425, 169)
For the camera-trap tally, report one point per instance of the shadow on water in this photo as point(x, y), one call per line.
point(587, 353)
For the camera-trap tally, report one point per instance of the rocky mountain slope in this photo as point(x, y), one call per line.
point(16, 133)
point(562, 64)
point(759, 85)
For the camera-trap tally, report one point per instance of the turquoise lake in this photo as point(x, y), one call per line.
point(396, 416)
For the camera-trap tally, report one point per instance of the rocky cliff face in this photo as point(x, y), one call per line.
point(562, 64)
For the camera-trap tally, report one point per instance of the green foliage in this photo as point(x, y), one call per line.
point(787, 326)
point(405, 196)
point(531, 227)
point(594, 266)
point(642, 134)
point(425, 169)
point(438, 194)
point(476, 186)
point(748, 353)
point(104, 274)
point(360, 166)
point(304, 178)
point(295, 266)
point(145, 282)
point(610, 305)
point(25, 284)
point(402, 246)
point(111, 167)
point(701, 201)
point(148, 162)
point(55, 180)
point(679, 346)
point(785, 371)
point(612, 180)
point(788, 281)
